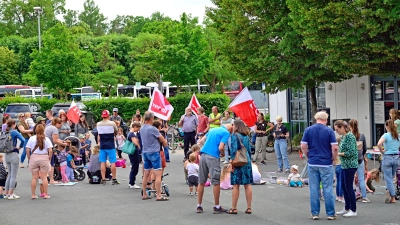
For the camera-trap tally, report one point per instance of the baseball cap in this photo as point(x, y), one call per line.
point(115, 110)
point(105, 114)
point(39, 118)
point(81, 136)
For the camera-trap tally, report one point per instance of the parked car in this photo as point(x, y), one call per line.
point(85, 111)
point(13, 109)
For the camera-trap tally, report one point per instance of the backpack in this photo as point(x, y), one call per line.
point(6, 143)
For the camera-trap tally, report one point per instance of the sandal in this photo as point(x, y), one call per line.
point(146, 198)
point(248, 211)
point(162, 199)
point(34, 197)
point(46, 197)
point(232, 211)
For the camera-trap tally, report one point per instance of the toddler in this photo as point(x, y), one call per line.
point(294, 178)
point(62, 159)
point(3, 176)
point(29, 121)
point(120, 140)
point(225, 183)
point(193, 174)
point(89, 146)
point(73, 152)
point(372, 175)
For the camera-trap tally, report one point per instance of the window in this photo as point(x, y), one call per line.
point(17, 109)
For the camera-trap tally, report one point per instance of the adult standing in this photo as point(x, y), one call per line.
point(262, 129)
point(189, 123)
point(107, 131)
point(23, 127)
point(151, 154)
point(390, 162)
point(49, 116)
point(39, 149)
point(12, 159)
point(349, 158)
point(135, 157)
point(227, 119)
point(361, 165)
point(320, 147)
point(214, 146)
point(203, 126)
point(116, 118)
point(214, 118)
point(52, 133)
point(281, 134)
point(65, 129)
point(241, 175)
point(82, 127)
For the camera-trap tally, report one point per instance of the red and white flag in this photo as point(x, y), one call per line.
point(73, 112)
point(160, 106)
point(245, 108)
point(194, 104)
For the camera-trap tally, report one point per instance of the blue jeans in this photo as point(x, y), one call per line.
point(389, 167)
point(166, 152)
point(361, 179)
point(135, 161)
point(23, 155)
point(339, 190)
point(348, 191)
point(317, 174)
point(253, 139)
point(280, 147)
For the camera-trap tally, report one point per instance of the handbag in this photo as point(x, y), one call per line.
point(241, 155)
point(129, 148)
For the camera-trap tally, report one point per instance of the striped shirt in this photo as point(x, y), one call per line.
point(106, 130)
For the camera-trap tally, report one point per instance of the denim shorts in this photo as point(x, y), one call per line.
point(110, 153)
point(152, 160)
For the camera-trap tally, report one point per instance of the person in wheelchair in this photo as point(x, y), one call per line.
point(94, 167)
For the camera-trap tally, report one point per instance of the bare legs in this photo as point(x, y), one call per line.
point(235, 195)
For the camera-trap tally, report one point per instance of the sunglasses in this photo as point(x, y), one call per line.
point(22, 117)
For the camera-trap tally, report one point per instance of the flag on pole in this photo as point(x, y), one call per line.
point(160, 106)
point(245, 108)
point(194, 104)
point(73, 112)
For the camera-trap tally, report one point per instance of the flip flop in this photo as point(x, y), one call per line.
point(34, 197)
point(162, 199)
point(146, 198)
point(46, 197)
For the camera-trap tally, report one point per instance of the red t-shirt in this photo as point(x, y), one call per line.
point(203, 121)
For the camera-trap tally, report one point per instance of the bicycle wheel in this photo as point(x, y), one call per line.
point(166, 190)
point(270, 144)
point(289, 148)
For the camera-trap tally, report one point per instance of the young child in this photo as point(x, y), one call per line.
point(62, 159)
point(82, 151)
point(193, 173)
point(294, 178)
point(29, 120)
point(120, 140)
point(3, 176)
point(338, 171)
point(89, 146)
point(195, 149)
point(73, 152)
point(372, 175)
point(42, 194)
point(225, 179)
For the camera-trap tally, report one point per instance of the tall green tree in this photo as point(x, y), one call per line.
point(18, 17)
point(360, 37)
point(8, 67)
point(92, 16)
point(71, 18)
point(61, 65)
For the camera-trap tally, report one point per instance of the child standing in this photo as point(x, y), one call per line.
point(62, 159)
point(120, 142)
point(82, 151)
point(294, 178)
point(338, 171)
point(89, 146)
point(3, 176)
point(225, 180)
point(372, 175)
point(73, 152)
point(193, 174)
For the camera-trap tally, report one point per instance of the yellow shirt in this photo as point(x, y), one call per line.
point(212, 116)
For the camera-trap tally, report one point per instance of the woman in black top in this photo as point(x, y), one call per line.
point(280, 145)
point(262, 129)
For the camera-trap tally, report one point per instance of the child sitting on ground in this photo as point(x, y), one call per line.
point(294, 178)
point(225, 181)
point(73, 152)
point(372, 175)
point(3, 176)
point(193, 173)
point(256, 174)
point(94, 167)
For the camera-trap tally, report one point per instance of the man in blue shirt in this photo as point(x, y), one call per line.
point(320, 146)
point(214, 147)
point(189, 124)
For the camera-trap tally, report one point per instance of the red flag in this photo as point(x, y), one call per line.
point(245, 108)
point(160, 106)
point(74, 113)
point(194, 104)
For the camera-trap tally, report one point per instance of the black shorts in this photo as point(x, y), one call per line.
point(2, 182)
point(193, 181)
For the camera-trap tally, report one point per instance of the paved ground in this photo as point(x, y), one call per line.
point(96, 204)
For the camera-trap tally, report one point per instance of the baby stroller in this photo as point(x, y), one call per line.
point(78, 172)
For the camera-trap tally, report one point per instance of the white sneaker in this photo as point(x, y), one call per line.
point(350, 214)
point(134, 186)
point(13, 197)
point(195, 193)
point(342, 212)
point(190, 193)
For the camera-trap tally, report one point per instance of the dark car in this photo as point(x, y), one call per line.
point(65, 106)
point(14, 109)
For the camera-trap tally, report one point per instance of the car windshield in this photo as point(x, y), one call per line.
point(17, 109)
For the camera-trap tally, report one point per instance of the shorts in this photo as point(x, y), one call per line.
point(152, 160)
point(3, 182)
point(39, 163)
point(193, 181)
point(209, 165)
point(111, 153)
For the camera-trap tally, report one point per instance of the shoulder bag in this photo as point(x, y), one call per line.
point(241, 155)
point(129, 148)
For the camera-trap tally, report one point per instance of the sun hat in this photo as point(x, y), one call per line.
point(296, 167)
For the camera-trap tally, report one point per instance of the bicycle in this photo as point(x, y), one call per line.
point(176, 139)
point(164, 187)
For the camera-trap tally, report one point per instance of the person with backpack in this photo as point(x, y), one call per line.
point(12, 159)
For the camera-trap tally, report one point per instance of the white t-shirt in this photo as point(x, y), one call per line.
point(32, 143)
point(256, 173)
point(294, 177)
point(193, 169)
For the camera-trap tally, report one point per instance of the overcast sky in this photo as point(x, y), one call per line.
point(171, 8)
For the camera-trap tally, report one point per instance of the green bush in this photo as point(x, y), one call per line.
point(297, 139)
point(127, 107)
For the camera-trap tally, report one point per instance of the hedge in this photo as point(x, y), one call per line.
point(127, 107)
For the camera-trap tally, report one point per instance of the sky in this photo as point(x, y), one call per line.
point(171, 8)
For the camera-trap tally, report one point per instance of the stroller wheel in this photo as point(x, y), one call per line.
point(79, 175)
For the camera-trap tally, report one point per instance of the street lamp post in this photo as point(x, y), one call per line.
point(38, 11)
